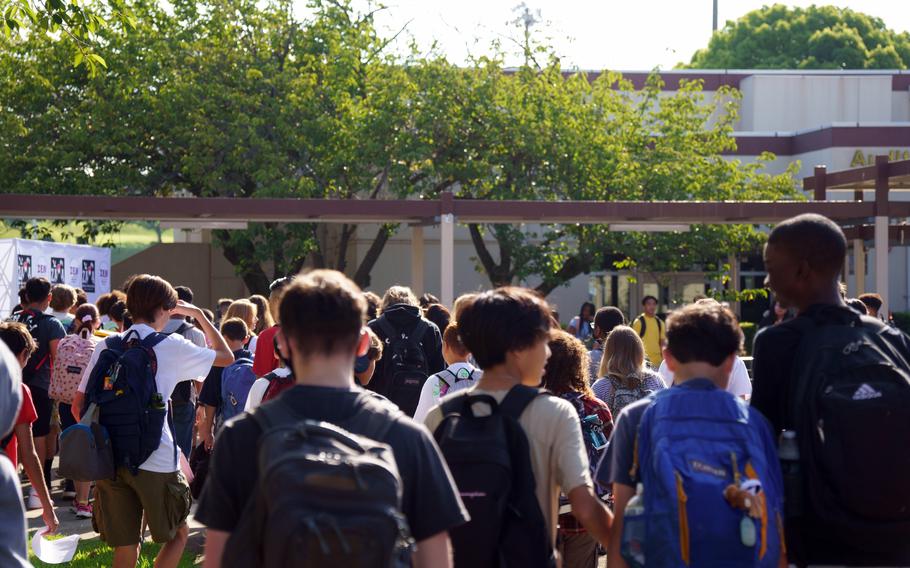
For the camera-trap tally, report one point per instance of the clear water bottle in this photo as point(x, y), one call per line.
point(788, 452)
point(633, 530)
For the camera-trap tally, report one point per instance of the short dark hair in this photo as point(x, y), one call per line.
point(428, 300)
point(81, 297)
point(118, 311)
point(147, 294)
point(373, 302)
point(703, 332)
point(225, 301)
point(874, 301)
point(37, 289)
point(106, 301)
point(23, 296)
point(322, 312)
point(235, 329)
point(184, 293)
point(493, 323)
point(649, 297)
point(16, 336)
point(85, 311)
point(814, 239)
point(438, 314)
point(607, 318)
point(451, 338)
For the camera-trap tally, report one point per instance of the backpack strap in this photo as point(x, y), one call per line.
point(644, 326)
point(181, 329)
point(418, 331)
point(387, 328)
point(518, 398)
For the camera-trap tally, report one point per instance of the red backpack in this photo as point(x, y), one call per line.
point(277, 385)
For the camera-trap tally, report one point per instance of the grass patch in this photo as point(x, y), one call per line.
point(93, 553)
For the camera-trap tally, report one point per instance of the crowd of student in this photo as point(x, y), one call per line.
point(327, 426)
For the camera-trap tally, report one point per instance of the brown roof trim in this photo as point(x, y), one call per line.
point(859, 177)
point(830, 137)
point(423, 211)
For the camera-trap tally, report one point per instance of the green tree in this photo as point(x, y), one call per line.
point(817, 37)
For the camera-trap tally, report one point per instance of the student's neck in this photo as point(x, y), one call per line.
point(829, 296)
point(456, 360)
point(37, 307)
point(324, 373)
point(499, 378)
point(698, 370)
point(234, 345)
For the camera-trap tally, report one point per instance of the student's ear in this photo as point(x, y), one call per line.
point(672, 363)
point(363, 344)
point(282, 343)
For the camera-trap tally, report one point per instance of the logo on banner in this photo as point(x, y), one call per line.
point(25, 267)
point(58, 270)
point(88, 275)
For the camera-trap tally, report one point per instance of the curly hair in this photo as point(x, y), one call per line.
point(567, 367)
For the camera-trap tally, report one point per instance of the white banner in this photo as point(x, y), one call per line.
point(80, 266)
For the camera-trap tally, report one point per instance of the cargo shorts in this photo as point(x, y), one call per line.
point(119, 504)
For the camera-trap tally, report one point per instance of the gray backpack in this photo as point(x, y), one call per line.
point(85, 449)
point(623, 396)
point(324, 497)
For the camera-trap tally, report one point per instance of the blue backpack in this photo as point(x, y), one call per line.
point(236, 380)
point(131, 410)
point(695, 443)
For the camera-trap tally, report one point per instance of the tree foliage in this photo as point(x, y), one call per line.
point(817, 37)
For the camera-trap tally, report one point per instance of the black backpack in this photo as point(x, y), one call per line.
point(490, 460)
point(324, 497)
point(849, 407)
point(644, 325)
point(406, 368)
point(41, 358)
point(122, 384)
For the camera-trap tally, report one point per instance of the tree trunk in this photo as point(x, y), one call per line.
point(499, 274)
point(573, 266)
point(252, 273)
point(362, 276)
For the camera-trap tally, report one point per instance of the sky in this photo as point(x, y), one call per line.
point(622, 35)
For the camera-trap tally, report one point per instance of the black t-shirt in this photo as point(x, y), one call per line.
point(44, 328)
point(775, 366)
point(211, 388)
point(430, 499)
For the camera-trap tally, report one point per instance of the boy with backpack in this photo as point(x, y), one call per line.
point(271, 500)
point(47, 332)
point(511, 446)
point(460, 374)
point(225, 389)
point(652, 330)
point(695, 476)
point(837, 385)
point(140, 368)
point(412, 352)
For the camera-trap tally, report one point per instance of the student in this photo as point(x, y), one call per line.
point(580, 326)
point(21, 445)
point(413, 349)
point(873, 304)
point(120, 317)
point(373, 303)
point(23, 301)
point(13, 548)
point(321, 316)
point(236, 334)
point(265, 359)
point(460, 374)
point(245, 310)
point(47, 332)
point(365, 365)
point(507, 330)
point(73, 354)
point(695, 450)
point(263, 315)
point(158, 492)
point(804, 257)
point(63, 299)
point(652, 331)
point(183, 399)
point(566, 376)
point(625, 377)
point(438, 314)
point(604, 321)
point(223, 305)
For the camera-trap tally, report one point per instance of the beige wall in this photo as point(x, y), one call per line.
point(199, 266)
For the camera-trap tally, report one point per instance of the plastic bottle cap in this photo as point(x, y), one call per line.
point(639, 489)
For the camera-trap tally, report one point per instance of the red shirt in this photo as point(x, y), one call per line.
point(27, 415)
point(265, 360)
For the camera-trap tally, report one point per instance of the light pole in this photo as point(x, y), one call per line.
point(714, 27)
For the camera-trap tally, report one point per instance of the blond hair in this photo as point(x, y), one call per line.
point(398, 295)
point(623, 356)
point(243, 309)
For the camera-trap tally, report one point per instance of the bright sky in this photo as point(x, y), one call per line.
point(591, 34)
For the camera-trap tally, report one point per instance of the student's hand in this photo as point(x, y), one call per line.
point(209, 440)
point(50, 519)
point(186, 309)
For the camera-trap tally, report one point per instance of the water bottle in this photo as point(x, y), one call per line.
point(788, 452)
point(633, 530)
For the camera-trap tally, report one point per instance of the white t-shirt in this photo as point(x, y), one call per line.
point(739, 385)
point(178, 360)
point(257, 391)
point(432, 388)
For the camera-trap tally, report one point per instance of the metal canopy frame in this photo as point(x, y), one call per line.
point(447, 210)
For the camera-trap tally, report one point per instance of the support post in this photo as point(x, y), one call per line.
point(734, 281)
point(447, 249)
point(859, 267)
point(882, 276)
point(821, 184)
point(417, 281)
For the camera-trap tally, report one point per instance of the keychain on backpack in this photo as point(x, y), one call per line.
point(743, 495)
